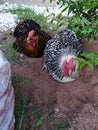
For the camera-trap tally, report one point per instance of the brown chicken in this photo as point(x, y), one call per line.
point(30, 39)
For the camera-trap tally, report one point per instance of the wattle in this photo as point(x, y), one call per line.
point(32, 44)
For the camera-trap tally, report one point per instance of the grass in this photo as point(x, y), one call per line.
point(24, 110)
point(9, 51)
point(23, 113)
point(11, 54)
point(20, 102)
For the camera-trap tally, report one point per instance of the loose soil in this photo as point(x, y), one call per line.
point(72, 106)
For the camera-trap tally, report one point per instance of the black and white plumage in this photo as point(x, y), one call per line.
point(60, 54)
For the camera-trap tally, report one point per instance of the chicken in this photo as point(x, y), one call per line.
point(30, 39)
point(60, 56)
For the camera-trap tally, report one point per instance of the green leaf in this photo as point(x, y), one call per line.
point(69, 11)
point(85, 21)
point(92, 6)
point(87, 55)
point(90, 65)
point(64, 9)
point(96, 62)
point(41, 120)
point(80, 59)
point(59, 25)
point(47, 10)
point(81, 65)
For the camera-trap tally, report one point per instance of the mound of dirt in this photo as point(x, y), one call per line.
point(74, 105)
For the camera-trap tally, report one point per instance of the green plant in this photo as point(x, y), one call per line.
point(11, 54)
point(83, 16)
point(20, 102)
point(84, 21)
point(23, 110)
point(27, 13)
point(41, 120)
point(22, 13)
point(91, 60)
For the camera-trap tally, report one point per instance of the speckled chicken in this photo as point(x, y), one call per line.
point(30, 39)
point(60, 54)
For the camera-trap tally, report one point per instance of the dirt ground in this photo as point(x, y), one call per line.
point(72, 106)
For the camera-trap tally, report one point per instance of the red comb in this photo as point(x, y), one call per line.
point(31, 33)
point(70, 62)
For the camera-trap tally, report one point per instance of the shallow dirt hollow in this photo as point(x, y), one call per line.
point(73, 106)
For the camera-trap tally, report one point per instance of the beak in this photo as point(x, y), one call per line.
point(27, 39)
